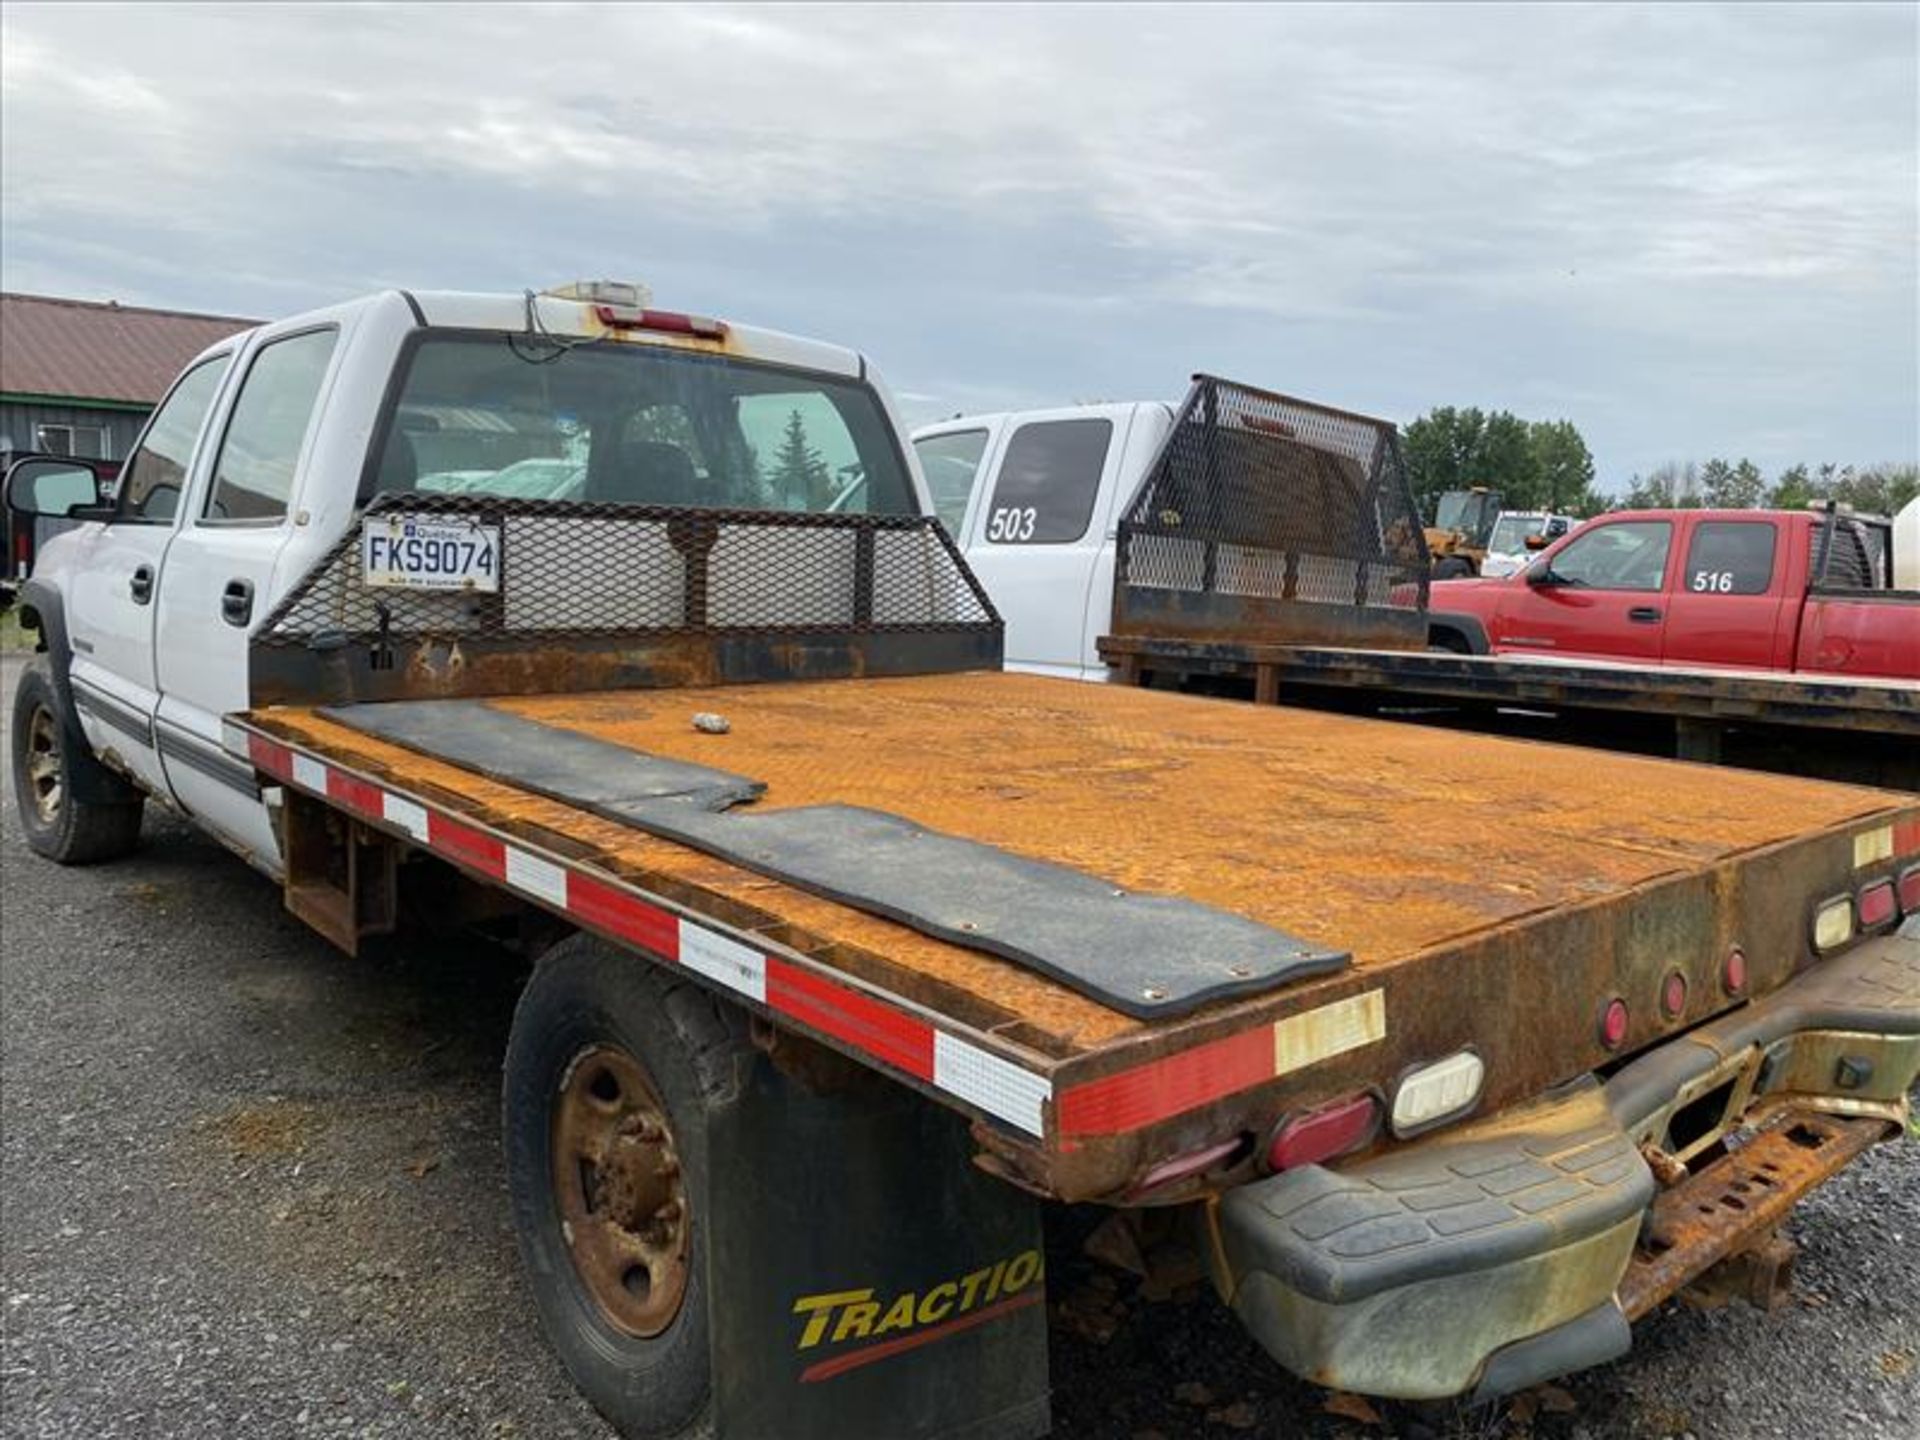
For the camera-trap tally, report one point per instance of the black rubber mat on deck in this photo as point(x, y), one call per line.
point(1145, 955)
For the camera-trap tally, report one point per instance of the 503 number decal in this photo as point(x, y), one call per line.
point(1011, 524)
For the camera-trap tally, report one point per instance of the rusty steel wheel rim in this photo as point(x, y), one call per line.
point(623, 1204)
point(44, 784)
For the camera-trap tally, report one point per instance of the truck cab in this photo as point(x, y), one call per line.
point(1033, 498)
point(259, 458)
point(1701, 589)
point(1517, 534)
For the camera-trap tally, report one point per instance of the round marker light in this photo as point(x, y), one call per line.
point(1733, 975)
point(1613, 1024)
point(1673, 995)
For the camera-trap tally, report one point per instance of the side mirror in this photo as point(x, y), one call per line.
point(1540, 572)
point(52, 486)
point(1536, 542)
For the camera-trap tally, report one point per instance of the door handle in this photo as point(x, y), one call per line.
point(141, 585)
point(1643, 614)
point(236, 602)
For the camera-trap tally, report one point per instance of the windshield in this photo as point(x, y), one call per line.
point(1471, 512)
point(606, 421)
point(1510, 534)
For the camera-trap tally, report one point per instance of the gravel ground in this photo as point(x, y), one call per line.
point(251, 1188)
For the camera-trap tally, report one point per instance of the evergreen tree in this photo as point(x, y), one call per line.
point(800, 479)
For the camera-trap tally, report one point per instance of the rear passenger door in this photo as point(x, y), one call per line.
point(219, 576)
point(1037, 535)
point(1725, 609)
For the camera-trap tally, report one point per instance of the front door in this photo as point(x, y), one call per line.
point(116, 581)
point(1602, 594)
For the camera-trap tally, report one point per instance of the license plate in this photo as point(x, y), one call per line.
point(406, 552)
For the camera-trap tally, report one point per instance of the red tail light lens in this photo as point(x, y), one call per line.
point(1324, 1133)
point(1910, 891)
point(1874, 905)
point(1733, 974)
point(1184, 1167)
point(1613, 1024)
point(1673, 995)
point(671, 321)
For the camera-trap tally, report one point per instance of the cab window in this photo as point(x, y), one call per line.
point(1048, 481)
point(951, 462)
point(156, 472)
point(253, 472)
point(1730, 557)
point(1629, 555)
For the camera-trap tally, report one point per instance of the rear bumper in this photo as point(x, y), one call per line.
point(1502, 1251)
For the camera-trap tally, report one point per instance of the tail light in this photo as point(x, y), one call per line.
point(1875, 904)
point(1910, 891)
point(1321, 1134)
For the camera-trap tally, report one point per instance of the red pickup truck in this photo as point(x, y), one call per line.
point(1735, 589)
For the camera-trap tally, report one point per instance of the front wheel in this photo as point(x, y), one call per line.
point(57, 782)
point(613, 1071)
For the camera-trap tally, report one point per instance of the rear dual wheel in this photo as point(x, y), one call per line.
point(613, 1072)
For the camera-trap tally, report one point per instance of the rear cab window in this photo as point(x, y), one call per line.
point(610, 422)
point(1049, 479)
point(1730, 557)
point(254, 470)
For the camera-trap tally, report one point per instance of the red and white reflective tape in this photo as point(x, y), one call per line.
point(874, 1024)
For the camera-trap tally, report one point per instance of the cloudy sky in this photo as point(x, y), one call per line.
point(1691, 230)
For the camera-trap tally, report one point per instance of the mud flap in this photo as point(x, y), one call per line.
point(864, 1277)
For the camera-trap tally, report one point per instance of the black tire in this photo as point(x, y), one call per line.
point(694, 1050)
point(51, 762)
point(1447, 641)
point(1451, 567)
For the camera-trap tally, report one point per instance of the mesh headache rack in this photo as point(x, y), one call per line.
point(1268, 519)
point(593, 596)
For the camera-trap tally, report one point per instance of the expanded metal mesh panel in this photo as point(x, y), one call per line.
point(569, 569)
point(1262, 497)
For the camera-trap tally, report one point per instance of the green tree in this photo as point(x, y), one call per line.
point(1793, 490)
point(1732, 487)
point(1879, 489)
point(1563, 464)
point(1449, 449)
point(800, 479)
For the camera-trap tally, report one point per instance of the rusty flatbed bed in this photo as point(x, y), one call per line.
point(1349, 832)
point(1869, 704)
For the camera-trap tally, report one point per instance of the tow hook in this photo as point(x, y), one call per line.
point(1667, 1171)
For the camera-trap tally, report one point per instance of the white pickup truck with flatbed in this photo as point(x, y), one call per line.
point(854, 948)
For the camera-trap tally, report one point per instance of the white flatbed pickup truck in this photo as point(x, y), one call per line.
point(630, 634)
